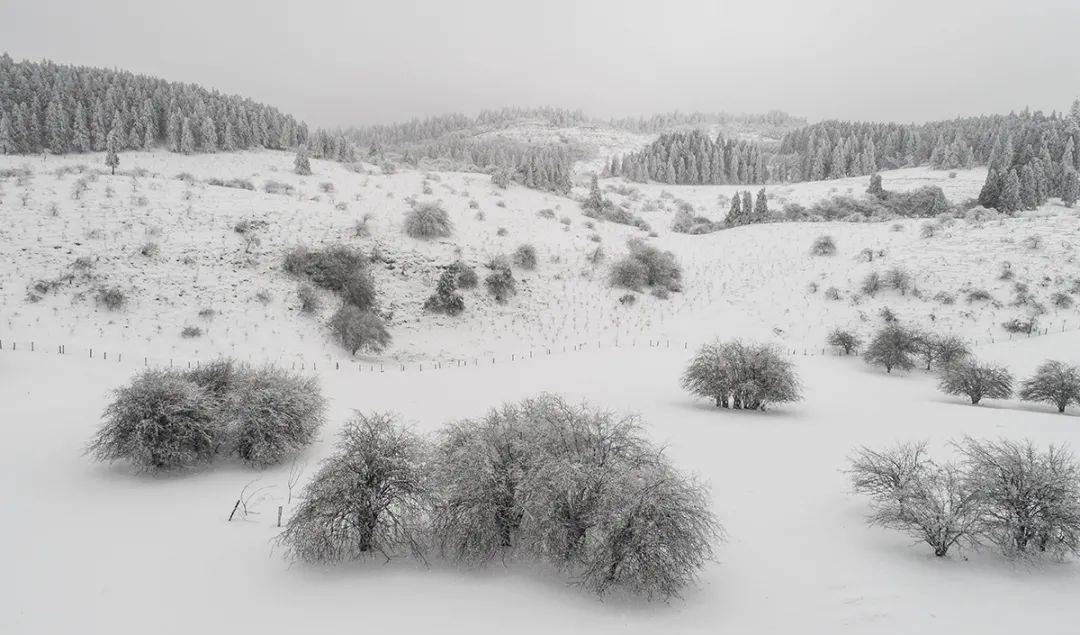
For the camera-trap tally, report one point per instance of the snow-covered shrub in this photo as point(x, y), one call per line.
point(368, 498)
point(273, 414)
point(112, 298)
point(976, 380)
point(446, 299)
point(501, 284)
point(190, 331)
point(466, 277)
point(741, 376)
point(891, 347)
point(628, 273)
point(428, 220)
point(627, 299)
point(898, 279)
point(1054, 382)
point(309, 298)
point(161, 421)
point(844, 340)
point(359, 330)
point(1032, 497)
point(646, 265)
point(871, 284)
point(832, 293)
point(823, 246)
point(1024, 324)
point(933, 503)
point(525, 256)
point(334, 268)
point(1061, 300)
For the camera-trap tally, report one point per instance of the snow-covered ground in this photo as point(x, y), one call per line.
point(103, 550)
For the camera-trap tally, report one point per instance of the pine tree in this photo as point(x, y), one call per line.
point(7, 137)
point(1010, 199)
point(734, 215)
point(56, 126)
point(1070, 188)
point(187, 137)
point(301, 164)
point(208, 134)
point(1029, 196)
point(112, 149)
point(175, 133)
point(761, 207)
point(80, 141)
point(747, 206)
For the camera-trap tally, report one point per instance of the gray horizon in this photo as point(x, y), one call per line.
point(334, 63)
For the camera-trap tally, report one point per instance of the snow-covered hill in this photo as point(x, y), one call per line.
point(166, 237)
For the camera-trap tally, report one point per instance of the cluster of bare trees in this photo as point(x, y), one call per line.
point(1023, 499)
point(167, 419)
point(741, 376)
point(575, 487)
point(897, 347)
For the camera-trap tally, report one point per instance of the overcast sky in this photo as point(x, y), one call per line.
point(361, 61)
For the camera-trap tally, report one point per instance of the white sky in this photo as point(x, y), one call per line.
point(361, 61)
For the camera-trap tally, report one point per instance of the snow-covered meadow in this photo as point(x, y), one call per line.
point(100, 548)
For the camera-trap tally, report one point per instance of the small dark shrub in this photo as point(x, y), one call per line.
point(525, 256)
point(428, 220)
point(359, 330)
point(823, 246)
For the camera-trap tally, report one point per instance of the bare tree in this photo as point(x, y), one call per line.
point(976, 380)
point(746, 376)
point(909, 492)
point(844, 340)
point(1055, 382)
point(891, 347)
point(1032, 497)
point(367, 498)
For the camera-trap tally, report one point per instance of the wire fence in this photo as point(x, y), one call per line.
point(104, 355)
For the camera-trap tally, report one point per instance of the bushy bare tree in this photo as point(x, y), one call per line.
point(742, 376)
point(479, 466)
point(976, 380)
point(844, 340)
point(891, 347)
point(274, 414)
point(577, 487)
point(654, 534)
point(359, 330)
point(938, 349)
point(369, 497)
point(909, 492)
point(161, 421)
point(1055, 382)
point(1032, 497)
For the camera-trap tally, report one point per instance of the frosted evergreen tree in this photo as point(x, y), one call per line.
point(301, 164)
point(208, 135)
point(734, 215)
point(81, 130)
point(761, 207)
point(99, 127)
point(56, 125)
point(747, 207)
point(175, 132)
point(187, 137)
point(1010, 199)
point(112, 150)
point(1070, 187)
point(1029, 196)
point(7, 137)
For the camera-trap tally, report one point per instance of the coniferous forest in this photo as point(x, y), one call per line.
point(58, 108)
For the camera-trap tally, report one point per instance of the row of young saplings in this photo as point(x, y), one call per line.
point(578, 488)
point(1023, 499)
point(894, 346)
